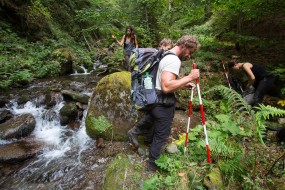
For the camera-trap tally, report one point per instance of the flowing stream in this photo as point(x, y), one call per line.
point(69, 159)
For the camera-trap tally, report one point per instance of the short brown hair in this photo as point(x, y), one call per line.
point(165, 42)
point(188, 41)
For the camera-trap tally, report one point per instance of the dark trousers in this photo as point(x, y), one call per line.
point(145, 127)
point(262, 88)
point(162, 120)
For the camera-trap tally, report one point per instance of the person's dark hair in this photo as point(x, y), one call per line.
point(231, 63)
point(132, 35)
point(188, 41)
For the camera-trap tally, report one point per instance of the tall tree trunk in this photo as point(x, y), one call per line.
point(170, 5)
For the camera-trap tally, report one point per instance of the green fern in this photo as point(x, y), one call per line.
point(234, 99)
point(264, 113)
point(232, 169)
point(223, 149)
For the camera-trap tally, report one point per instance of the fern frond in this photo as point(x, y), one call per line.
point(220, 148)
point(234, 99)
point(264, 113)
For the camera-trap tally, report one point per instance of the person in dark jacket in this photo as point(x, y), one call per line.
point(258, 79)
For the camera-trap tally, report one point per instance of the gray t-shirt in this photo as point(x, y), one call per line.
point(169, 63)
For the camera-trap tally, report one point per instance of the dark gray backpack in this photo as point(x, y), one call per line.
point(144, 62)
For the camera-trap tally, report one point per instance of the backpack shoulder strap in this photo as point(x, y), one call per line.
point(168, 53)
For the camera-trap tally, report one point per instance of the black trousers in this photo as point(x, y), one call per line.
point(262, 88)
point(145, 127)
point(161, 117)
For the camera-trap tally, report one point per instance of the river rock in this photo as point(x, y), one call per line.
point(3, 101)
point(68, 113)
point(109, 114)
point(77, 97)
point(17, 127)
point(5, 115)
point(52, 99)
point(19, 151)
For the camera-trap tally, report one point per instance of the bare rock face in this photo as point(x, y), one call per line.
point(75, 96)
point(19, 151)
point(17, 127)
point(109, 113)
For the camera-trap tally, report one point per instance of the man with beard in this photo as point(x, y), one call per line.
point(160, 117)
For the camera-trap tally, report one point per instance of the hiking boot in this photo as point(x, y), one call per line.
point(133, 139)
point(147, 143)
point(151, 167)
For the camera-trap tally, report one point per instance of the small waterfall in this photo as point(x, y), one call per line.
point(49, 130)
point(85, 71)
point(63, 163)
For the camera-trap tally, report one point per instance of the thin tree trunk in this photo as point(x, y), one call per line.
point(86, 41)
point(170, 5)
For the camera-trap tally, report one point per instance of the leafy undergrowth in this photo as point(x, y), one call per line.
point(241, 159)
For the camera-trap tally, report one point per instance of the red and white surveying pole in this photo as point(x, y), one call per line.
point(189, 119)
point(203, 119)
point(227, 77)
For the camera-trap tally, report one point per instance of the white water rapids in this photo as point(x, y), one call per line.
point(69, 159)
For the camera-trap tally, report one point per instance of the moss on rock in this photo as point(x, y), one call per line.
point(111, 100)
point(214, 179)
point(99, 127)
point(122, 174)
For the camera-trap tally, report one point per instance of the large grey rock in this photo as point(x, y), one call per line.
point(75, 96)
point(19, 151)
point(17, 127)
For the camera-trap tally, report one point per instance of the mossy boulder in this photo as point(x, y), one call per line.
point(122, 174)
point(214, 179)
point(65, 57)
point(109, 114)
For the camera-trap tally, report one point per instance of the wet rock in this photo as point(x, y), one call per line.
point(3, 101)
point(74, 96)
point(109, 114)
point(19, 151)
point(23, 99)
point(81, 106)
point(74, 125)
point(99, 143)
point(68, 113)
point(5, 115)
point(17, 127)
point(51, 99)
